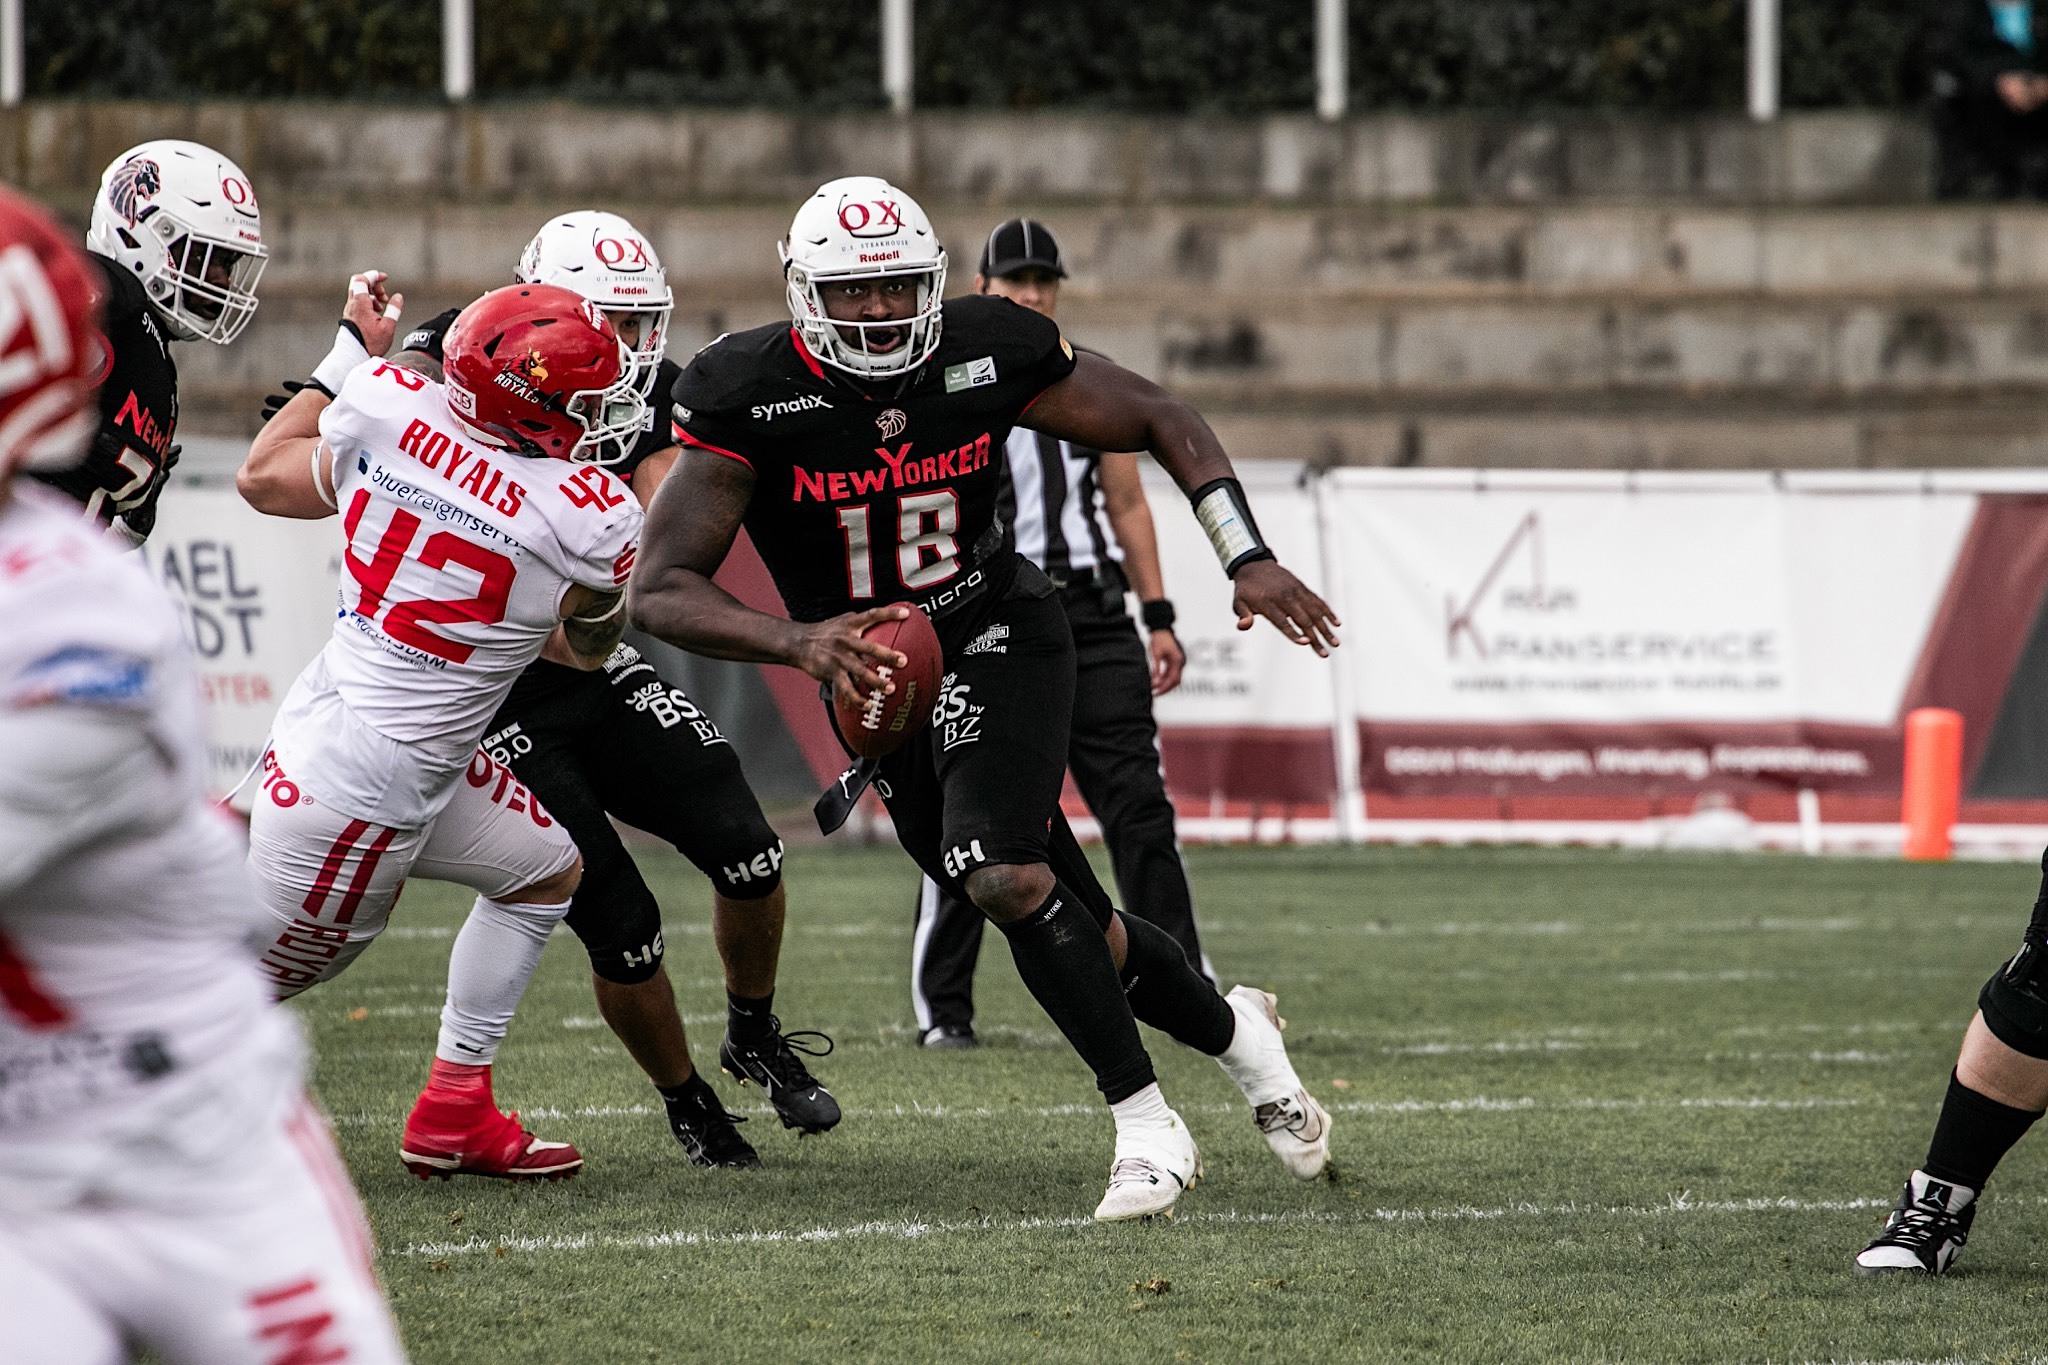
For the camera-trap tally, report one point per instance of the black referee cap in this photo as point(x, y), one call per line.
point(1021, 244)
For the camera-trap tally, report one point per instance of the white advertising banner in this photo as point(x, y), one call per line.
point(1738, 601)
point(258, 598)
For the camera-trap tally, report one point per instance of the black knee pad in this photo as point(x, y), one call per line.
point(743, 861)
point(619, 923)
point(2015, 1001)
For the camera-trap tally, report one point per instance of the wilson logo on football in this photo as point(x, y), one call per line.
point(133, 185)
point(879, 218)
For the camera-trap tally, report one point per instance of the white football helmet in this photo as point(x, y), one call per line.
point(182, 219)
point(859, 228)
point(610, 262)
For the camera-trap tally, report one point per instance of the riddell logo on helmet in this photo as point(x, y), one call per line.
point(874, 257)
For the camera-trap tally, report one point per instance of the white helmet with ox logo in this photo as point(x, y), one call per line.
point(173, 214)
point(858, 228)
point(610, 262)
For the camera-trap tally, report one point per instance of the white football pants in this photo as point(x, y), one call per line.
point(272, 1263)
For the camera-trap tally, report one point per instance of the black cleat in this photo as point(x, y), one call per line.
point(1925, 1230)
point(770, 1062)
point(710, 1136)
point(949, 1037)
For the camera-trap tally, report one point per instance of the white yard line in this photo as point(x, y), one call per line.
point(1477, 1105)
point(1680, 1205)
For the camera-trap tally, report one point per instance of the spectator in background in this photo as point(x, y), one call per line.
point(1988, 74)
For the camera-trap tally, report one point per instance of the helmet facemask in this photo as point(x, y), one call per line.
point(613, 419)
point(197, 308)
point(827, 337)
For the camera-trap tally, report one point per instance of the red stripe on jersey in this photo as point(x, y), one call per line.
point(803, 353)
point(330, 866)
point(360, 883)
point(687, 439)
point(23, 995)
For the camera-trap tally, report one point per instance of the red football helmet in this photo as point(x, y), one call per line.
point(537, 369)
point(50, 349)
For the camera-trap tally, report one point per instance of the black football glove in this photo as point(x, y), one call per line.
point(274, 403)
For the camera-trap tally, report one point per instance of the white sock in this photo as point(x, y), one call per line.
point(1144, 1112)
point(494, 957)
point(1256, 1060)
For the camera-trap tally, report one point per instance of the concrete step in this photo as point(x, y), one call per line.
point(1173, 253)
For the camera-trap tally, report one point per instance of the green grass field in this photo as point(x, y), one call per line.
point(1590, 1106)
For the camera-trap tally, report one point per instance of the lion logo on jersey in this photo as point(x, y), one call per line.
point(892, 423)
point(137, 181)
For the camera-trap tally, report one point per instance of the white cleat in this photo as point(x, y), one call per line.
point(1293, 1124)
point(1149, 1173)
point(1298, 1131)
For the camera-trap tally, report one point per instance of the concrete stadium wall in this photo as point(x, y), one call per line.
point(1638, 310)
point(508, 151)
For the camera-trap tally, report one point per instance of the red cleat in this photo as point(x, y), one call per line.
point(456, 1128)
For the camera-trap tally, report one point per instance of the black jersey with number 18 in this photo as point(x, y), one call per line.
point(872, 493)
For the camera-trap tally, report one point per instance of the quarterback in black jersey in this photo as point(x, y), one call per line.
point(859, 447)
point(621, 742)
point(179, 245)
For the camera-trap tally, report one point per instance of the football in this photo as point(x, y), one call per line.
point(883, 723)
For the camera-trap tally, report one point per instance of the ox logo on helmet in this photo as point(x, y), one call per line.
point(622, 253)
point(871, 218)
point(136, 181)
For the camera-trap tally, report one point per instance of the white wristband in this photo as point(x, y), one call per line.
point(341, 361)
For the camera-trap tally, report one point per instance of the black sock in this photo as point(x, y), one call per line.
point(749, 1018)
point(696, 1087)
point(1972, 1135)
point(1166, 992)
point(1066, 966)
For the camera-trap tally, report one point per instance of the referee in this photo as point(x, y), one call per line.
point(1080, 515)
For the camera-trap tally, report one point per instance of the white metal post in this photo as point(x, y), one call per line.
point(458, 48)
point(896, 52)
point(1350, 793)
point(10, 53)
point(1763, 60)
point(1330, 63)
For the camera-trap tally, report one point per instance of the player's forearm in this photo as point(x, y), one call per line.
point(688, 610)
point(278, 477)
point(588, 635)
point(1123, 498)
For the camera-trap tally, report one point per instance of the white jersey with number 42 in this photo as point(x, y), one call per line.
point(457, 561)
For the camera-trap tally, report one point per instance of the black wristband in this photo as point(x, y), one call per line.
point(1157, 614)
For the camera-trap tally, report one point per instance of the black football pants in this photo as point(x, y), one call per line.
point(1114, 755)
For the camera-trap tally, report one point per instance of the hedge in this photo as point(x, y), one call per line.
point(1194, 56)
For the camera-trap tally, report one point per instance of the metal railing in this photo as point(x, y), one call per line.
point(458, 55)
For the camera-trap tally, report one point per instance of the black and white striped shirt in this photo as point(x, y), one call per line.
point(1052, 500)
